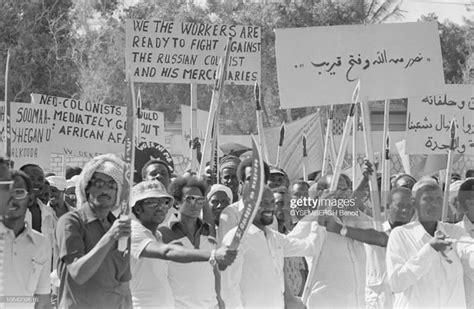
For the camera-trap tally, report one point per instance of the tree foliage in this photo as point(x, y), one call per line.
point(76, 49)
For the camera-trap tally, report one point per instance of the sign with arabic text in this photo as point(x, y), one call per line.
point(321, 65)
point(429, 118)
point(158, 51)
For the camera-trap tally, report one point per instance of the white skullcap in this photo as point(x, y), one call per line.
point(72, 182)
point(57, 182)
point(218, 187)
point(421, 183)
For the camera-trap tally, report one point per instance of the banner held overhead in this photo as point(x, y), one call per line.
point(320, 65)
point(158, 51)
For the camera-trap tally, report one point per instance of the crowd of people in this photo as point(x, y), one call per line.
point(59, 240)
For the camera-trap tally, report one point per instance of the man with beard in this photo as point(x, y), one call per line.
point(149, 285)
point(256, 279)
point(425, 265)
point(93, 272)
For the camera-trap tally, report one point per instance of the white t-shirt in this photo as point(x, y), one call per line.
point(149, 284)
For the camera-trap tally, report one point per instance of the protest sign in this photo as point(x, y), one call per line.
point(146, 151)
point(320, 65)
point(87, 129)
point(429, 117)
point(158, 51)
point(31, 137)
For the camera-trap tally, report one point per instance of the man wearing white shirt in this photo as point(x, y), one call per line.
point(466, 203)
point(424, 265)
point(256, 279)
point(26, 254)
point(149, 285)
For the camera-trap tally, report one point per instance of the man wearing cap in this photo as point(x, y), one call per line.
point(56, 202)
point(228, 174)
point(278, 178)
point(149, 284)
point(93, 273)
point(425, 265)
point(218, 197)
point(465, 200)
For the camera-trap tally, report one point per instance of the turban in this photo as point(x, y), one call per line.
point(57, 182)
point(108, 164)
point(218, 187)
point(229, 161)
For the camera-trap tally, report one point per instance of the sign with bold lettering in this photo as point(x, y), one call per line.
point(86, 129)
point(31, 134)
point(321, 65)
point(158, 51)
point(429, 118)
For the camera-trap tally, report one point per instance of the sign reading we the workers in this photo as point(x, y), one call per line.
point(321, 65)
point(86, 129)
point(429, 118)
point(158, 51)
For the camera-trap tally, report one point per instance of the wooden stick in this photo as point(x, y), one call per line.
point(354, 148)
point(449, 169)
point(374, 195)
point(194, 130)
point(386, 121)
point(330, 115)
point(7, 112)
point(261, 132)
point(214, 108)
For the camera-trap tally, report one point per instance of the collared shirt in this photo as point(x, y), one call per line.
point(48, 221)
point(26, 265)
point(468, 226)
point(78, 233)
point(192, 284)
point(255, 279)
point(149, 285)
point(342, 263)
point(419, 275)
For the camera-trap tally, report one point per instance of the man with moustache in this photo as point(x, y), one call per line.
point(425, 265)
point(228, 175)
point(256, 279)
point(26, 253)
point(149, 285)
point(93, 272)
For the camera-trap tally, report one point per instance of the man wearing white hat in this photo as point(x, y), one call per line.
point(56, 202)
point(149, 284)
point(425, 264)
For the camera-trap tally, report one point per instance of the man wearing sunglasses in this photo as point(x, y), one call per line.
point(149, 285)
point(189, 231)
point(26, 252)
point(93, 272)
